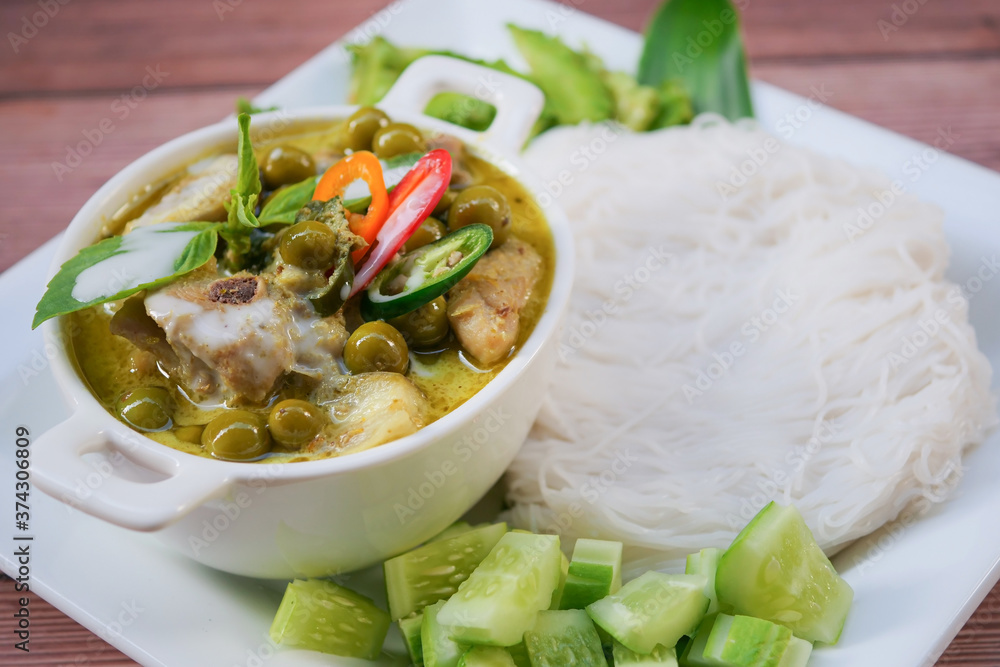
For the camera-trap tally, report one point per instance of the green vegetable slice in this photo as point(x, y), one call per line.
point(775, 570)
point(321, 616)
point(705, 563)
point(424, 274)
point(434, 571)
point(502, 597)
point(565, 637)
point(654, 609)
point(438, 647)
point(410, 627)
point(454, 530)
point(486, 656)
point(557, 594)
point(698, 42)
point(120, 266)
point(743, 641)
point(461, 110)
point(660, 657)
point(574, 92)
point(594, 572)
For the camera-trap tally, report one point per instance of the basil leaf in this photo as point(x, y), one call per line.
point(698, 42)
point(285, 203)
point(119, 266)
point(243, 198)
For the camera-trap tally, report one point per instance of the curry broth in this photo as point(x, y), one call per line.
point(112, 365)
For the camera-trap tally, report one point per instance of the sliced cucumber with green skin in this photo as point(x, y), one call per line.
point(434, 571)
point(561, 586)
point(410, 628)
point(424, 274)
point(502, 597)
point(742, 641)
point(319, 615)
point(486, 656)
point(654, 609)
point(660, 657)
point(706, 562)
point(566, 637)
point(774, 570)
point(453, 530)
point(594, 572)
point(439, 650)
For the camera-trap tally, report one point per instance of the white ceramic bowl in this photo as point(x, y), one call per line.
point(318, 517)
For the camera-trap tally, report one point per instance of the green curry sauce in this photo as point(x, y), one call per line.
point(111, 365)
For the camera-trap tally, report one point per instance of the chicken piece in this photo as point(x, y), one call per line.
point(200, 195)
point(371, 409)
point(245, 331)
point(484, 308)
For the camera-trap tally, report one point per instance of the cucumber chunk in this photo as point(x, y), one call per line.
point(486, 656)
point(434, 571)
point(438, 648)
point(453, 530)
point(741, 641)
point(706, 562)
point(654, 609)
point(660, 657)
point(594, 572)
point(519, 654)
point(319, 615)
point(557, 594)
point(775, 570)
point(561, 638)
point(410, 627)
point(502, 597)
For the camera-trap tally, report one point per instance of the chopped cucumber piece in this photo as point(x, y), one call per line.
point(319, 615)
point(561, 638)
point(434, 571)
point(743, 641)
point(453, 530)
point(557, 594)
point(594, 572)
point(486, 656)
point(654, 609)
point(438, 648)
point(503, 596)
point(775, 570)
point(410, 627)
point(706, 562)
point(660, 657)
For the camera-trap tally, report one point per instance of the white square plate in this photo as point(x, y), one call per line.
point(915, 585)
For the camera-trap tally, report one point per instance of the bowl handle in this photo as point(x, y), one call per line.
point(518, 103)
point(169, 488)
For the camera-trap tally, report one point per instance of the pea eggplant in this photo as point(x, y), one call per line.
point(426, 273)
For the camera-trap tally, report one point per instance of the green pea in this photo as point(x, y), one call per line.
point(146, 409)
point(362, 126)
point(425, 326)
point(293, 423)
point(237, 435)
point(376, 346)
point(398, 139)
point(284, 165)
point(309, 245)
point(481, 204)
point(429, 231)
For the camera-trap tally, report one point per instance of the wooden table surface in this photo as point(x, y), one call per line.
point(914, 66)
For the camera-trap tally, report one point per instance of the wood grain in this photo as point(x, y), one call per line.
point(939, 69)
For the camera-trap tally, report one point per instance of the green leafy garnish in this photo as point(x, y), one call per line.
point(461, 110)
point(243, 105)
point(286, 202)
point(243, 199)
point(698, 43)
point(120, 266)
